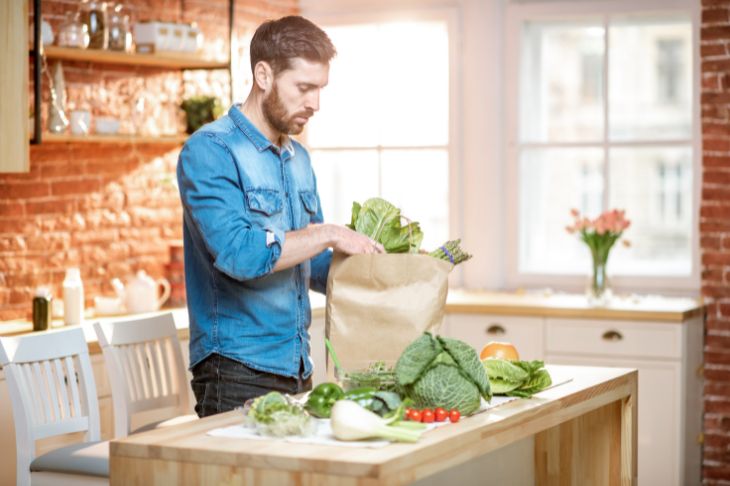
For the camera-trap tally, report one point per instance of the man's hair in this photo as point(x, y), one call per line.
point(279, 41)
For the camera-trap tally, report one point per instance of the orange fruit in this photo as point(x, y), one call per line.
point(501, 350)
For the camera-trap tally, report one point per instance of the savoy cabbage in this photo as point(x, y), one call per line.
point(443, 372)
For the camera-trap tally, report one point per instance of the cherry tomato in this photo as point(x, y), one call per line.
point(454, 416)
point(416, 415)
point(408, 412)
point(440, 414)
point(427, 416)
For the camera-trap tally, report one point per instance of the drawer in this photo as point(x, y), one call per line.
point(610, 338)
point(526, 333)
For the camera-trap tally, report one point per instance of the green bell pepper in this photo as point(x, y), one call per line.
point(322, 398)
point(362, 396)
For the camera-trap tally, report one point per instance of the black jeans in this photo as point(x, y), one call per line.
point(221, 384)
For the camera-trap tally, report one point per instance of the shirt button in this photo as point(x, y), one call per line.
point(299, 297)
point(286, 194)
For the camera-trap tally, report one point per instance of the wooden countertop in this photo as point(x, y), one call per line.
point(179, 453)
point(634, 308)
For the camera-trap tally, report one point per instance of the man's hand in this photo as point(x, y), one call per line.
point(351, 242)
point(307, 242)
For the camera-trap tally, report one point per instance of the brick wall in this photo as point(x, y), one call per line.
point(715, 234)
point(110, 209)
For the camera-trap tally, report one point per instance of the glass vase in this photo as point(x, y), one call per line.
point(598, 290)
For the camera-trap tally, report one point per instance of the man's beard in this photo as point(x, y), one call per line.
point(275, 113)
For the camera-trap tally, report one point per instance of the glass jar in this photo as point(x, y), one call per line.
point(120, 39)
point(93, 15)
point(72, 32)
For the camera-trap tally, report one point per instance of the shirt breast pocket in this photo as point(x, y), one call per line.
point(309, 206)
point(264, 204)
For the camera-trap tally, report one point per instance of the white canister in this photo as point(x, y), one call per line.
point(73, 297)
point(80, 122)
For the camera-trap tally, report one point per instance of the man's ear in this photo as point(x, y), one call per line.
point(263, 75)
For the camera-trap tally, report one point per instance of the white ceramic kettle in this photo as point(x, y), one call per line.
point(141, 293)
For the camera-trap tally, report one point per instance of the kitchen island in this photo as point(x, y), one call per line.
point(583, 432)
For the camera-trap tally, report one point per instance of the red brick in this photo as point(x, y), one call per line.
point(712, 50)
point(710, 243)
point(714, 15)
point(83, 186)
point(717, 357)
point(714, 226)
point(717, 161)
point(714, 3)
point(716, 472)
point(719, 212)
point(715, 258)
point(717, 343)
point(715, 193)
point(715, 145)
point(717, 372)
point(12, 208)
point(24, 190)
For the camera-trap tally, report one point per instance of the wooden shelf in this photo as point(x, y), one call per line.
point(132, 139)
point(166, 60)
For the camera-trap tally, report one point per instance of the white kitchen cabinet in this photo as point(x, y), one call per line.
point(526, 333)
point(668, 356)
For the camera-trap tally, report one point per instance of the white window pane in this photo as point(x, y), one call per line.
point(344, 176)
point(388, 86)
point(552, 181)
point(654, 186)
point(414, 95)
point(650, 83)
point(416, 181)
point(561, 82)
point(348, 116)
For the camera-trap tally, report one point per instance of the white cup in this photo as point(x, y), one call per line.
point(80, 122)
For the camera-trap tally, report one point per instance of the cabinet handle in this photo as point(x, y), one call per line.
point(496, 329)
point(612, 336)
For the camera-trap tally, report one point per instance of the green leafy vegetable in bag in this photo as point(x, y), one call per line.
point(381, 221)
point(443, 372)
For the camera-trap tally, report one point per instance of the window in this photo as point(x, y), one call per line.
point(383, 125)
point(604, 120)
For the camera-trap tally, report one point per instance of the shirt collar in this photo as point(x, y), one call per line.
point(257, 138)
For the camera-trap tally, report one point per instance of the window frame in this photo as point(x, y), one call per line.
point(516, 15)
point(451, 16)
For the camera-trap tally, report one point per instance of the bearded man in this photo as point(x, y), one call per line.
point(254, 236)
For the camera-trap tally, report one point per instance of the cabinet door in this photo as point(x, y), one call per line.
point(659, 414)
point(14, 150)
point(526, 333)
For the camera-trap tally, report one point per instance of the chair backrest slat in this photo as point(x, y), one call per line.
point(146, 367)
point(154, 372)
point(63, 389)
point(41, 388)
point(71, 383)
point(53, 390)
point(142, 363)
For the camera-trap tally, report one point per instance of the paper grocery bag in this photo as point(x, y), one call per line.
point(378, 304)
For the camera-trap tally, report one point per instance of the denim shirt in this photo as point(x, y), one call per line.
point(240, 195)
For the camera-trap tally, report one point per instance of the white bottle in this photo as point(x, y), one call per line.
point(73, 297)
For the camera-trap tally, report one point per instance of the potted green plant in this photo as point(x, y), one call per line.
point(200, 110)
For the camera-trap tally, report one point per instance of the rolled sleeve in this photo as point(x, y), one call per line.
point(213, 201)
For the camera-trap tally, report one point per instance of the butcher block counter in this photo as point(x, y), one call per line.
point(581, 432)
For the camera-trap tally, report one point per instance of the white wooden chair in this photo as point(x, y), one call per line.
point(147, 373)
point(52, 391)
